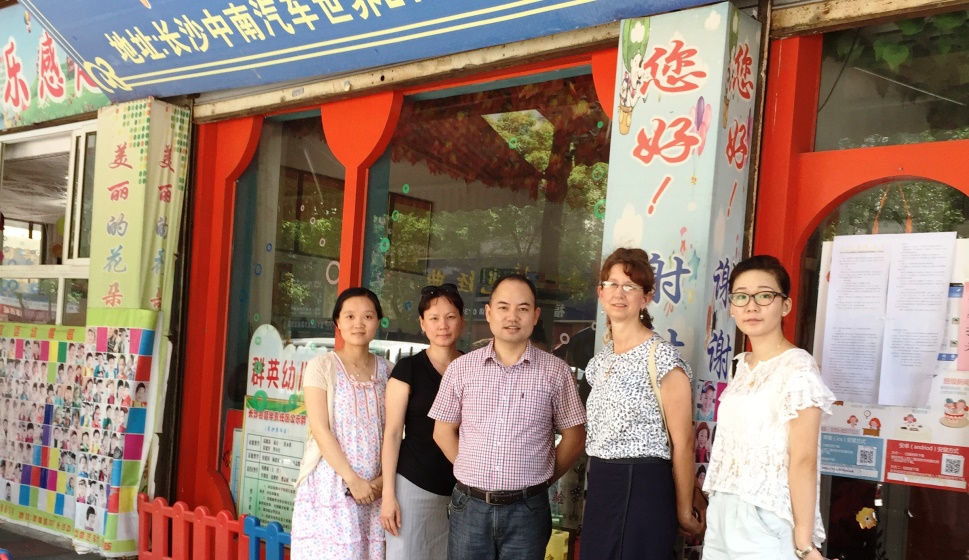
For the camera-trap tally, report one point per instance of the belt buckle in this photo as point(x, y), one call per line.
point(488, 498)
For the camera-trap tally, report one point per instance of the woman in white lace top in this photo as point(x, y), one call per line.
point(763, 477)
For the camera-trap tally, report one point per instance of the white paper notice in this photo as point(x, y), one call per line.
point(885, 316)
point(854, 317)
point(918, 298)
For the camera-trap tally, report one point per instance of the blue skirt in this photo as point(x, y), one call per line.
point(630, 510)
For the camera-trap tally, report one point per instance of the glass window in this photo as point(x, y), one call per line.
point(911, 522)
point(29, 300)
point(286, 243)
point(33, 200)
point(75, 302)
point(895, 83)
point(46, 195)
point(86, 147)
point(476, 185)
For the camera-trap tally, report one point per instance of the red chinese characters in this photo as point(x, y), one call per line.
point(672, 69)
point(83, 82)
point(290, 378)
point(119, 191)
point(15, 93)
point(258, 366)
point(165, 193)
point(166, 162)
point(737, 148)
point(157, 300)
point(272, 376)
point(671, 141)
point(120, 157)
point(114, 297)
point(741, 81)
point(51, 80)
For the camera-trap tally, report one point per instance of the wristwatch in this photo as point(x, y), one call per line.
point(803, 553)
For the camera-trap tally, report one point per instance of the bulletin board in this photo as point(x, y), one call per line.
point(75, 408)
point(924, 442)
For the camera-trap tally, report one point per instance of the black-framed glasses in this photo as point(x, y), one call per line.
point(609, 285)
point(446, 288)
point(741, 299)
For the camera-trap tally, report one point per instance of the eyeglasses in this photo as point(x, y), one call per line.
point(447, 288)
point(741, 299)
point(609, 286)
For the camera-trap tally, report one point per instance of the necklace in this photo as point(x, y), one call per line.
point(612, 363)
point(355, 372)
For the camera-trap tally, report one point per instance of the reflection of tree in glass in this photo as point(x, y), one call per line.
point(920, 59)
point(933, 207)
point(291, 291)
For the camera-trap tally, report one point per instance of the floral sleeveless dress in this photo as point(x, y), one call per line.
point(328, 524)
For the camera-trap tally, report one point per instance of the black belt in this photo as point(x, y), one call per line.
point(502, 497)
point(633, 460)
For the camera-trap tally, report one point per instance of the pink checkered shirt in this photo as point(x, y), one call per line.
point(507, 416)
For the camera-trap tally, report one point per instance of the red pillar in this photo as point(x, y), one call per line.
point(790, 119)
point(358, 131)
point(224, 151)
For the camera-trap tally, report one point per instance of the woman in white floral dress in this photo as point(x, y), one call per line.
point(337, 510)
point(763, 475)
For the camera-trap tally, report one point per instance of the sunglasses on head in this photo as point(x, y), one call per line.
point(447, 288)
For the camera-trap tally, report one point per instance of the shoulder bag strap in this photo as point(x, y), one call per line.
point(653, 374)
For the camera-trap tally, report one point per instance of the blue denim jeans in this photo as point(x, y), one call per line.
point(479, 531)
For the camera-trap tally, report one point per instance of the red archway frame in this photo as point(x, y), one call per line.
point(358, 131)
point(800, 187)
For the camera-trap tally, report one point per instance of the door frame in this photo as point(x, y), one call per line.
point(799, 187)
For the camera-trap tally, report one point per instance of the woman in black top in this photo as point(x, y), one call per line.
point(418, 478)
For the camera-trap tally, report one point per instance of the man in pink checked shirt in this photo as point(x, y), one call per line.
point(496, 415)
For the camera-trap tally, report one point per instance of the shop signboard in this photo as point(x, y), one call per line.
point(76, 410)
point(40, 82)
point(172, 47)
point(925, 440)
point(274, 429)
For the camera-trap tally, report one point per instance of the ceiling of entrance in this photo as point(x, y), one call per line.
point(35, 188)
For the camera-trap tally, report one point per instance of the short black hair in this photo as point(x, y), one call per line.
point(454, 298)
point(516, 277)
point(356, 292)
point(769, 264)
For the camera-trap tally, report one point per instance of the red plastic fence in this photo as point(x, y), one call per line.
point(177, 533)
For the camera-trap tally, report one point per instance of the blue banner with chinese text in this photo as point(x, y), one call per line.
point(135, 49)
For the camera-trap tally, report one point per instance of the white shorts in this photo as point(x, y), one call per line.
point(739, 530)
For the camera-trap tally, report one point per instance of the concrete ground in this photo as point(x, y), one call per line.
point(23, 543)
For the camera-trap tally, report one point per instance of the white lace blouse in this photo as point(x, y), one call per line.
point(751, 451)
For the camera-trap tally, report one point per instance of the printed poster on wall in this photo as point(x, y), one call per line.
point(40, 82)
point(924, 445)
point(74, 412)
point(274, 429)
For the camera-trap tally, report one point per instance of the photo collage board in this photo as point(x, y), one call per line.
point(74, 412)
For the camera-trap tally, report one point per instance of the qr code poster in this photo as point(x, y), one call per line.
point(855, 456)
point(926, 464)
